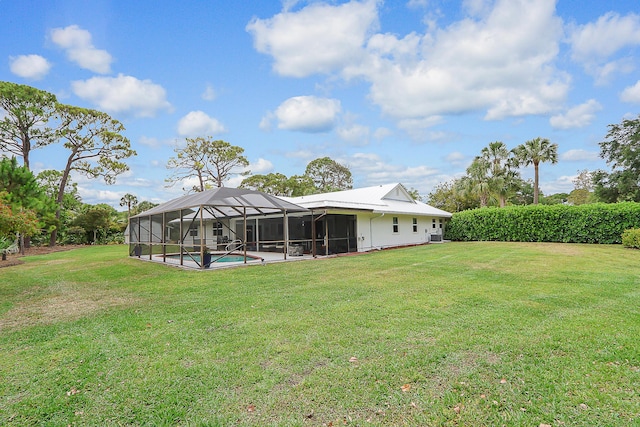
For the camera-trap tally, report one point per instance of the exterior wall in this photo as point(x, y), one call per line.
point(376, 231)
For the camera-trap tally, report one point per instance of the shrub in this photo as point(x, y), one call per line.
point(631, 238)
point(592, 223)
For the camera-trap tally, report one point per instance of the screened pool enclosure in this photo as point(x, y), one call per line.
point(219, 225)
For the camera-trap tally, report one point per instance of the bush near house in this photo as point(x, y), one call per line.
point(631, 238)
point(592, 223)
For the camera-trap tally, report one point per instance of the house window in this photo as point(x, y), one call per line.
point(217, 229)
point(193, 231)
point(395, 224)
point(434, 223)
point(415, 225)
point(440, 223)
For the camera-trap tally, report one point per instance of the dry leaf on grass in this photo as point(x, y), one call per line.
point(405, 388)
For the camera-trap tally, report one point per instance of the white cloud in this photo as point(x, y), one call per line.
point(354, 133)
point(308, 114)
point(149, 142)
point(456, 159)
point(265, 122)
point(417, 128)
point(94, 196)
point(598, 40)
point(198, 123)
point(579, 116)
point(498, 59)
point(593, 44)
point(123, 94)
point(319, 38)
point(579, 155)
point(32, 67)
point(79, 49)
point(382, 133)
point(261, 166)
point(209, 93)
point(376, 171)
point(631, 94)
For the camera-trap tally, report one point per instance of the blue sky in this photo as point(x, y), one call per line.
point(398, 91)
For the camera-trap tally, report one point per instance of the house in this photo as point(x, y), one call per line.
point(233, 221)
point(370, 218)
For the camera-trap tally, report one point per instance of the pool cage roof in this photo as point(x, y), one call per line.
point(228, 202)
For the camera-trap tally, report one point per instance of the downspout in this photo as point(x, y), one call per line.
point(371, 228)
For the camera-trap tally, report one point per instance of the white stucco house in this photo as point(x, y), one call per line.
point(230, 221)
point(377, 217)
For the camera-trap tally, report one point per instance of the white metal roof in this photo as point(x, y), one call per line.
point(389, 198)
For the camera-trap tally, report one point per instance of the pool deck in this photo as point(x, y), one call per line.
point(262, 258)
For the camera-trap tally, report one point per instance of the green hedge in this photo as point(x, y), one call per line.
point(631, 238)
point(591, 223)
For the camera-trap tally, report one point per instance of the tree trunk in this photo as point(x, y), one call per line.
point(60, 198)
point(536, 190)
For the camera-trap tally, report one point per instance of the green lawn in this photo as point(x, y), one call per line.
point(457, 334)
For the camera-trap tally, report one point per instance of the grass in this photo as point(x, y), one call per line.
point(460, 334)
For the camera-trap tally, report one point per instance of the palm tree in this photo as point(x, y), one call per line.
point(478, 179)
point(129, 200)
point(533, 152)
point(502, 176)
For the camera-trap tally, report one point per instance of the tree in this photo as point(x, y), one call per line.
point(27, 112)
point(414, 193)
point(210, 162)
point(450, 196)
point(328, 175)
point(582, 191)
point(621, 150)
point(278, 184)
point(143, 206)
point(273, 183)
point(71, 203)
point(503, 177)
point(23, 193)
point(523, 194)
point(96, 147)
point(478, 181)
point(534, 152)
point(300, 185)
point(95, 220)
point(130, 201)
point(555, 199)
point(16, 221)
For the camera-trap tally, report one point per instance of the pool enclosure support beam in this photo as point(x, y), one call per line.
point(286, 234)
point(203, 236)
point(313, 228)
point(244, 220)
point(163, 238)
point(181, 242)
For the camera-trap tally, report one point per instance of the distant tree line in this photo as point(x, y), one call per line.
point(493, 178)
point(96, 148)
